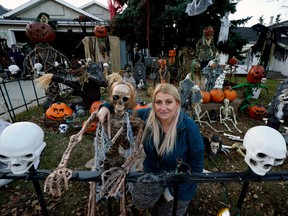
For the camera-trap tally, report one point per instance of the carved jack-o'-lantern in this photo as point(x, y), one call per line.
point(40, 32)
point(100, 31)
point(58, 111)
point(95, 106)
point(233, 61)
point(172, 53)
point(91, 129)
point(255, 74)
point(257, 112)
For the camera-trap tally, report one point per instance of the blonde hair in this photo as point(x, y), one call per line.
point(153, 124)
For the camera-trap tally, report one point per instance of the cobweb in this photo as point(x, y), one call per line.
point(197, 7)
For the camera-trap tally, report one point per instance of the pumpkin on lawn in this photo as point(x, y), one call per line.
point(257, 112)
point(92, 127)
point(230, 94)
point(255, 74)
point(217, 95)
point(58, 111)
point(95, 106)
point(205, 96)
point(100, 31)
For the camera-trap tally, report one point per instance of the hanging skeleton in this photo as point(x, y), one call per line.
point(114, 143)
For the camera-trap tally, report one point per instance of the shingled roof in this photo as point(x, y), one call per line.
point(3, 10)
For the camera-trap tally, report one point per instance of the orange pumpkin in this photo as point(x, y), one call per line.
point(58, 111)
point(40, 32)
point(100, 31)
point(205, 96)
point(230, 94)
point(233, 60)
point(217, 95)
point(140, 106)
point(172, 53)
point(257, 112)
point(255, 74)
point(95, 106)
point(91, 128)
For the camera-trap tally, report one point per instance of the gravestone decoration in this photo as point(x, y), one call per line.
point(211, 74)
point(140, 72)
point(96, 71)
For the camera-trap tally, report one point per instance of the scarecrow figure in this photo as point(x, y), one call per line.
point(85, 85)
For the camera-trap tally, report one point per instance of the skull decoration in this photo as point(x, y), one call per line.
point(122, 96)
point(265, 147)
point(63, 128)
point(21, 144)
point(215, 145)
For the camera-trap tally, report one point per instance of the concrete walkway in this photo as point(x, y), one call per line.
point(19, 96)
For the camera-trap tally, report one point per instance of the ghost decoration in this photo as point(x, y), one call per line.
point(63, 128)
point(21, 144)
point(265, 148)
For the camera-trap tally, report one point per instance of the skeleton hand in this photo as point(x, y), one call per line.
point(53, 183)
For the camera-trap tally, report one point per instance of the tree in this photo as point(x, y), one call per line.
point(162, 25)
point(261, 20)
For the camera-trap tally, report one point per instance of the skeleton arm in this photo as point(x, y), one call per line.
point(53, 181)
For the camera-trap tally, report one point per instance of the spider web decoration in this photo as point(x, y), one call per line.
point(197, 7)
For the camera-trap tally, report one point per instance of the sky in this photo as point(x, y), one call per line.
point(245, 8)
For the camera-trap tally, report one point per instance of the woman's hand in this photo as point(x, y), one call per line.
point(103, 113)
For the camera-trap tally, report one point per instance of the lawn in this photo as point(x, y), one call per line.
point(267, 198)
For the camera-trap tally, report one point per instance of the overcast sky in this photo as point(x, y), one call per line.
point(245, 8)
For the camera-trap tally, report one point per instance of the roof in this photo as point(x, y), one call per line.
point(248, 33)
point(89, 4)
point(27, 6)
point(3, 10)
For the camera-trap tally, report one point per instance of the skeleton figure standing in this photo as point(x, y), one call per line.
point(227, 114)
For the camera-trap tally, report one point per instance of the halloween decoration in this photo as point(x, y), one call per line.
point(257, 112)
point(172, 55)
point(205, 47)
point(255, 74)
point(95, 106)
point(140, 73)
point(265, 148)
point(91, 128)
point(40, 32)
point(213, 73)
point(63, 128)
point(217, 95)
point(21, 145)
point(58, 111)
point(141, 105)
point(253, 84)
point(205, 96)
point(197, 7)
point(224, 29)
point(227, 114)
point(163, 75)
point(100, 31)
point(196, 75)
point(215, 145)
point(230, 94)
point(112, 144)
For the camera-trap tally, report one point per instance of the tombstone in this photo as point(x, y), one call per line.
point(96, 71)
point(211, 75)
point(139, 72)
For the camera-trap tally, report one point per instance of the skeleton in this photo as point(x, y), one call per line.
point(265, 147)
point(21, 144)
point(111, 138)
point(225, 115)
point(198, 115)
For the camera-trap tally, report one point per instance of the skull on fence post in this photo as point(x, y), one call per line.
point(122, 96)
point(265, 147)
point(21, 144)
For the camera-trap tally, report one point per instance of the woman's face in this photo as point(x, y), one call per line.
point(165, 106)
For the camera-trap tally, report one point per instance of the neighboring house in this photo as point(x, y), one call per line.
point(96, 9)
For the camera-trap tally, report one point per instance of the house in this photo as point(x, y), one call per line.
point(72, 25)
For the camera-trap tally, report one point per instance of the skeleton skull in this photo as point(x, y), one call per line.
point(215, 144)
point(63, 128)
point(120, 97)
point(21, 144)
point(265, 147)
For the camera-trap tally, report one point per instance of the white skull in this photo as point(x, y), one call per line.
point(265, 147)
point(120, 98)
point(215, 144)
point(226, 102)
point(21, 144)
point(63, 128)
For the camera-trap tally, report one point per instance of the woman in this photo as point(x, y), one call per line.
point(169, 136)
